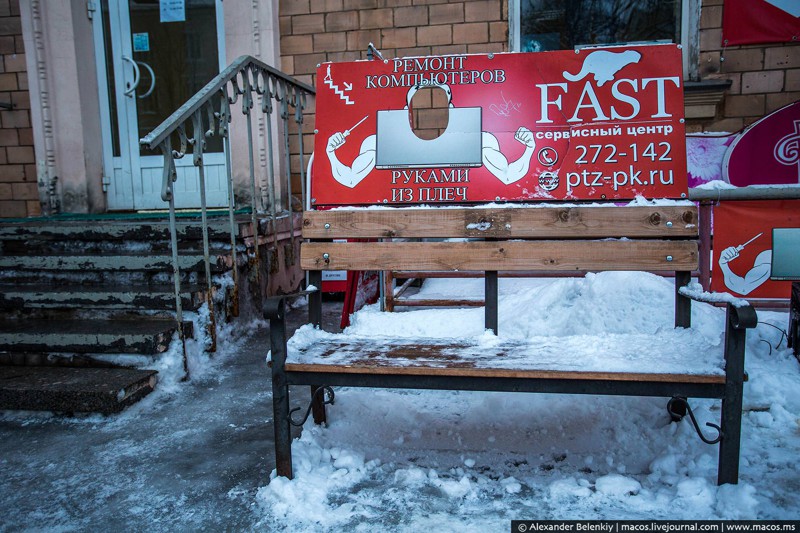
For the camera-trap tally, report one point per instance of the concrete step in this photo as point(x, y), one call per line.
point(127, 262)
point(135, 229)
point(61, 296)
point(54, 359)
point(97, 390)
point(140, 336)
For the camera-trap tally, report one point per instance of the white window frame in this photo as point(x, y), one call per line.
point(690, 34)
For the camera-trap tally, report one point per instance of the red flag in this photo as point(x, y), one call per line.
point(760, 21)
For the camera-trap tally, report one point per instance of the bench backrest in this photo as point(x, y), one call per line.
point(535, 239)
point(540, 239)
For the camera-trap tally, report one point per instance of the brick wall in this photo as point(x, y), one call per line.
point(314, 31)
point(19, 196)
point(764, 78)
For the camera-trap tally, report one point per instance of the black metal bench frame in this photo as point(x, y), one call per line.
point(729, 390)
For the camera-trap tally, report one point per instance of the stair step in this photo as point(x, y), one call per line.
point(120, 230)
point(141, 336)
point(96, 390)
point(129, 262)
point(54, 359)
point(157, 297)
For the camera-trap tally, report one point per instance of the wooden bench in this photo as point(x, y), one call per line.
point(660, 238)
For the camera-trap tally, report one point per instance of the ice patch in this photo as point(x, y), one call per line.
point(737, 502)
point(617, 485)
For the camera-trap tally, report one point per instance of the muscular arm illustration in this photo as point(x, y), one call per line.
point(754, 277)
point(350, 176)
point(496, 163)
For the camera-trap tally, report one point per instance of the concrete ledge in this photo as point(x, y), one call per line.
point(93, 390)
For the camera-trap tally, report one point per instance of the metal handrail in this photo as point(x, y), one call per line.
point(185, 112)
point(752, 192)
point(208, 113)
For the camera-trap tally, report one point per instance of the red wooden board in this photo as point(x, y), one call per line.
point(586, 125)
point(743, 246)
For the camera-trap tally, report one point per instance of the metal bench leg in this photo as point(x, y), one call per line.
point(283, 434)
point(731, 434)
point(735, 337)
point(280, 392)
point(683, 305)
point(315, 318)
point(490, 297)
point(318, 406)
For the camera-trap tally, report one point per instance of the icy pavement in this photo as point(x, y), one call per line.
point(199, 455)
point(190, 456)
point(188, 460)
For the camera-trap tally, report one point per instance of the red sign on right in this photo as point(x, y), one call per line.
point(767, 152)
point(743, 246)
point(760, 21)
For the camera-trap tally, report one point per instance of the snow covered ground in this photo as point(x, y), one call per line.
point(198, 455)
point(473, 461)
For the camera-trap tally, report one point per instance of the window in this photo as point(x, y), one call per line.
point(540, 25)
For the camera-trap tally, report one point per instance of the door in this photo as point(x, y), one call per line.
point(153, 55)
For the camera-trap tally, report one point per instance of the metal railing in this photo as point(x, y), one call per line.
point(247, 81)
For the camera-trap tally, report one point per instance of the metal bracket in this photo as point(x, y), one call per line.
point(677, 408)
point(328, 397)
point(373, 52)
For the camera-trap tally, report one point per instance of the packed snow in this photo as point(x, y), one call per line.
point(475, 460)
point(197, 455)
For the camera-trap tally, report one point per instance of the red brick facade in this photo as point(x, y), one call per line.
point(19, 196)
point(764, 77)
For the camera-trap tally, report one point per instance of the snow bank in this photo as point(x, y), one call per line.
point(200, 362)
point(410, 459)
point(599, 304)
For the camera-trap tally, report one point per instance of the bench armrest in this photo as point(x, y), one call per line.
point(274, 306)
point(695, 292)
point(742, 316)
point(741, 312)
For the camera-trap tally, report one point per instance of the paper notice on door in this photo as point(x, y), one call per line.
point(172, 10)
point(141, 42)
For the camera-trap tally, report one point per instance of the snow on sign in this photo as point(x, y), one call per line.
point(592, 124)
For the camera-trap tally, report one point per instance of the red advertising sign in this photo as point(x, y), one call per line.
point(743, 246)
point(362, 289)
point(589, 124)
point(768, 152)
point(760, 21)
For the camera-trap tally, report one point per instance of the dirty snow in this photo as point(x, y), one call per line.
point(473, 461)
point(197, 455)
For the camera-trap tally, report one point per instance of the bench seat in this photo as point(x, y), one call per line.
point(679, 355)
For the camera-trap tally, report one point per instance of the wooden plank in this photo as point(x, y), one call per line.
point(498, 255)
point(438, 303)
point(502, 373)
point(671, 355)
point(465, 274)
point(510, 223)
